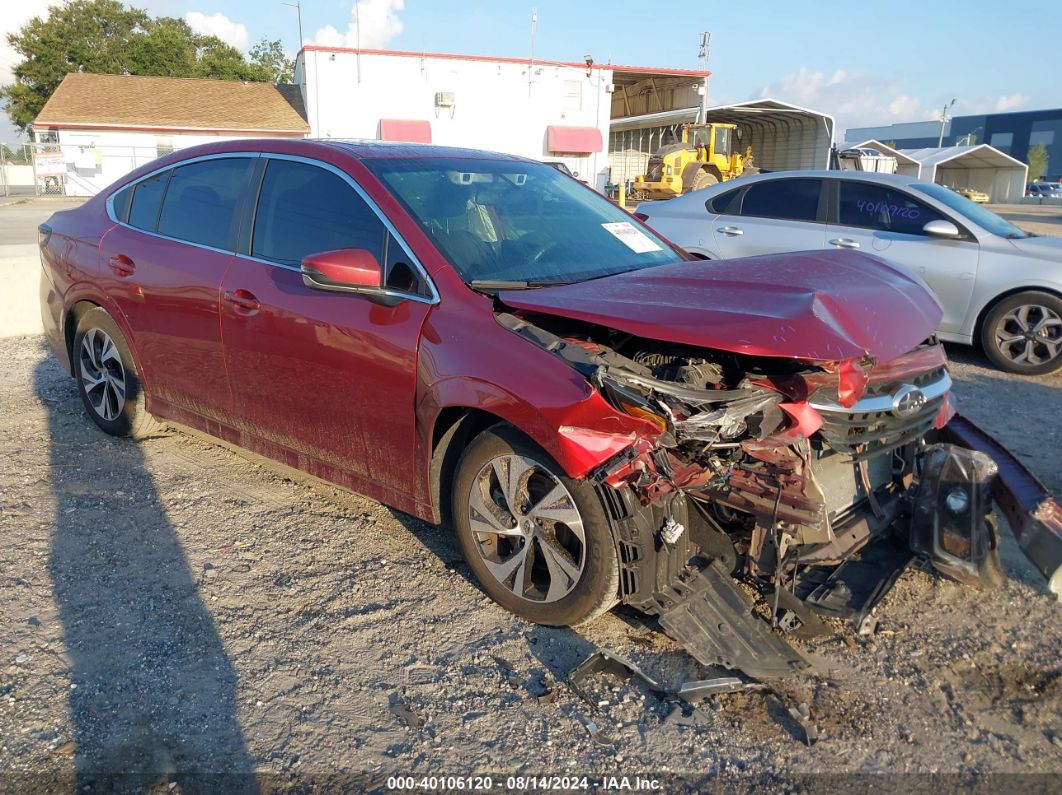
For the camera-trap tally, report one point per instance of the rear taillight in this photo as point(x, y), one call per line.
point(641, 217)
point(44, 234)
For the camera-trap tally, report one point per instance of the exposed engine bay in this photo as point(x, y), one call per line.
point(809, 484)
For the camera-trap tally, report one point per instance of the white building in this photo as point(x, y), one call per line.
point(96, 128)
point(547, 110)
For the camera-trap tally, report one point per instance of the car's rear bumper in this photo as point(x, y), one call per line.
point(52, 319)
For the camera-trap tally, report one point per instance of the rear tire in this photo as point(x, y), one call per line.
point(1023, 333)
point(538, 541)
point(107, 378)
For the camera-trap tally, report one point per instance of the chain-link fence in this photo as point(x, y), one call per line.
point(53, 169)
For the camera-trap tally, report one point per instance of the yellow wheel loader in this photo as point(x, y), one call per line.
point(706, 156)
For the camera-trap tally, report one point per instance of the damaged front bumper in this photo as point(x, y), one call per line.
point(946, 517)
point(1034, 517)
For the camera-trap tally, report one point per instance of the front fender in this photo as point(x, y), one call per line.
point(495, 371)
point(578, 436)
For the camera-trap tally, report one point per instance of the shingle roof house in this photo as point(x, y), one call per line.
point(96, 128)
point(176, 104)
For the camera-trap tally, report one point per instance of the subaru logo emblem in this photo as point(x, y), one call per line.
point(908, 400)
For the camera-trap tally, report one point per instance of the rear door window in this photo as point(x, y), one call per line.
point(304, 209)
point(200, 203)
point(871, 206)
point(147, 199)
point(785, 199)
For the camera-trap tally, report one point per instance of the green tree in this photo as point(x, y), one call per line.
point(107, 37)
point(270, 55)
point(1037, 160)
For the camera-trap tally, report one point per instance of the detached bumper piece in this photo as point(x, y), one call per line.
point(712, 618)
point(1034, 516)
point(951, 523)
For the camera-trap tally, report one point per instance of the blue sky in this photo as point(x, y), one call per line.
point(863, 63)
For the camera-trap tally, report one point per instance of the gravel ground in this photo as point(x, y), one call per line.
point(172, 610)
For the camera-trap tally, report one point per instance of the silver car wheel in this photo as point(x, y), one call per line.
point(527, 528)
point(1030, 335)
point(102, 374)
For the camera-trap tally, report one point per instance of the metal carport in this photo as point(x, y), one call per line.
point(982, 167)
point(905, 164)
point(783, 137)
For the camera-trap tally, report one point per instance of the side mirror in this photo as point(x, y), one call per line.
point(343, 270)
point(941, 228)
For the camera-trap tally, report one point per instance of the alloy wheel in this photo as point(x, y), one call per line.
point(527, 528)
point(102, 374)
point(1030, 335)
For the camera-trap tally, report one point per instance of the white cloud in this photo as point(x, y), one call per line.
point(1011, 102)
point(14, 17)
point(378, 20)
point(854, 99)
point(234, 33)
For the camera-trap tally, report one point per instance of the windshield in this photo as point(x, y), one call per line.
point(986, 219)
point(515, 221)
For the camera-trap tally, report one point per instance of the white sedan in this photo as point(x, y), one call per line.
point(999, 286)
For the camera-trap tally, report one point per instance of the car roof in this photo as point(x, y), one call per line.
point(844, 173)
point(831, 173)
point(358, 149)
point(367, 148)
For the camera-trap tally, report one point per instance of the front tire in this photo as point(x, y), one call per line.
point(1023, 333)
point(704, 179)
point(538, 541)
point(107, 377)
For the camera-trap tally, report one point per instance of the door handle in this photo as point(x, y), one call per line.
point(244, 301)
point(844, 242)
point(730, 231)
point(121, 265)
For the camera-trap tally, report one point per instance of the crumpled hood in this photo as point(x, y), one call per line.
point(816, 305)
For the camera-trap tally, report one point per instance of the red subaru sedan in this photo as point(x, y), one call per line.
point(481, 340)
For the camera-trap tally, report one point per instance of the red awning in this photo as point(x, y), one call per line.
point(576, 140)
point(416, 131)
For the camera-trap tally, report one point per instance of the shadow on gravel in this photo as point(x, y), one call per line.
point(153, 698)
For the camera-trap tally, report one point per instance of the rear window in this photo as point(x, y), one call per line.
point(200, 204)
point(147, 198)
point(786, 199)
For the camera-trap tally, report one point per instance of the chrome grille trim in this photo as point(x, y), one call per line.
point(883, 403)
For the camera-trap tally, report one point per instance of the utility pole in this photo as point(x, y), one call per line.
point(944, 121)
point(298, 9)
point(531, 63)
point(702, 58)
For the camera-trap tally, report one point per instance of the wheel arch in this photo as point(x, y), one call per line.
point(990, 304)
point(85, 302)
point(70, 320)
point(454, 428)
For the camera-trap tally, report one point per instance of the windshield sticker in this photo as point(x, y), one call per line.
point(633, 238)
